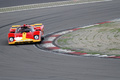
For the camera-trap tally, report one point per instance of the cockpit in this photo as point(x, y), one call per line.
point(24, 28)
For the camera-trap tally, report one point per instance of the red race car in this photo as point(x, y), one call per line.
point(26, 33)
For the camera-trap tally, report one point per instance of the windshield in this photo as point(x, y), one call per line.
point(24, 29)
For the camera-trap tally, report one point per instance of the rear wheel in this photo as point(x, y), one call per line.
point(42, 38)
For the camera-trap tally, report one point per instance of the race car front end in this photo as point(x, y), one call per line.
point(14, 38)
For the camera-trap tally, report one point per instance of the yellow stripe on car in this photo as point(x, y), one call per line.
point(23, 35)
point(15, 25)
point(38, 24)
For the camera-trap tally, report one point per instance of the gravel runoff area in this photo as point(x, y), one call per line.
point(98, 39)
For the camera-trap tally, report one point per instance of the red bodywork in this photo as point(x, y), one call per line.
point(30, 33)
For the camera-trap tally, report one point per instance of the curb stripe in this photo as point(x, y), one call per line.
point(51, 38)
point(48, 44)
point(118, 57)
point(75, 29)
point(104, 22)
point(54, 35)
point(63, 50)
point(53, 48)
point(78, 53)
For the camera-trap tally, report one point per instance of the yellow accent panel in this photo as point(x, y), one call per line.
point(32, 25)
point(11, 43)
point(14, 28)
point(23, 41)
point(38, 24)
point(24, 36)
point(36, 40)
point(15, 25)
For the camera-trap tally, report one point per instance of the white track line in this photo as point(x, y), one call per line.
point(48, 6)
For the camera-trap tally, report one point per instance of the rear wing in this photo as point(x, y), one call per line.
point(13, 28)
point(39, 26)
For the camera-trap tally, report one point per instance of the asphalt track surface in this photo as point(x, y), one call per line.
point(8, 3)
point(26, 62)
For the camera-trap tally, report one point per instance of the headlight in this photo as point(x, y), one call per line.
point(36, 37)
point(11, 39)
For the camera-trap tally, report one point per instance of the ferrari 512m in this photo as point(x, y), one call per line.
point(26, 33)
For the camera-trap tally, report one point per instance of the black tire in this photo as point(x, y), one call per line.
point(42, 38)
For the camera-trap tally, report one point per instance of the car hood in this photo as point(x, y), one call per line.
point(24, 35)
